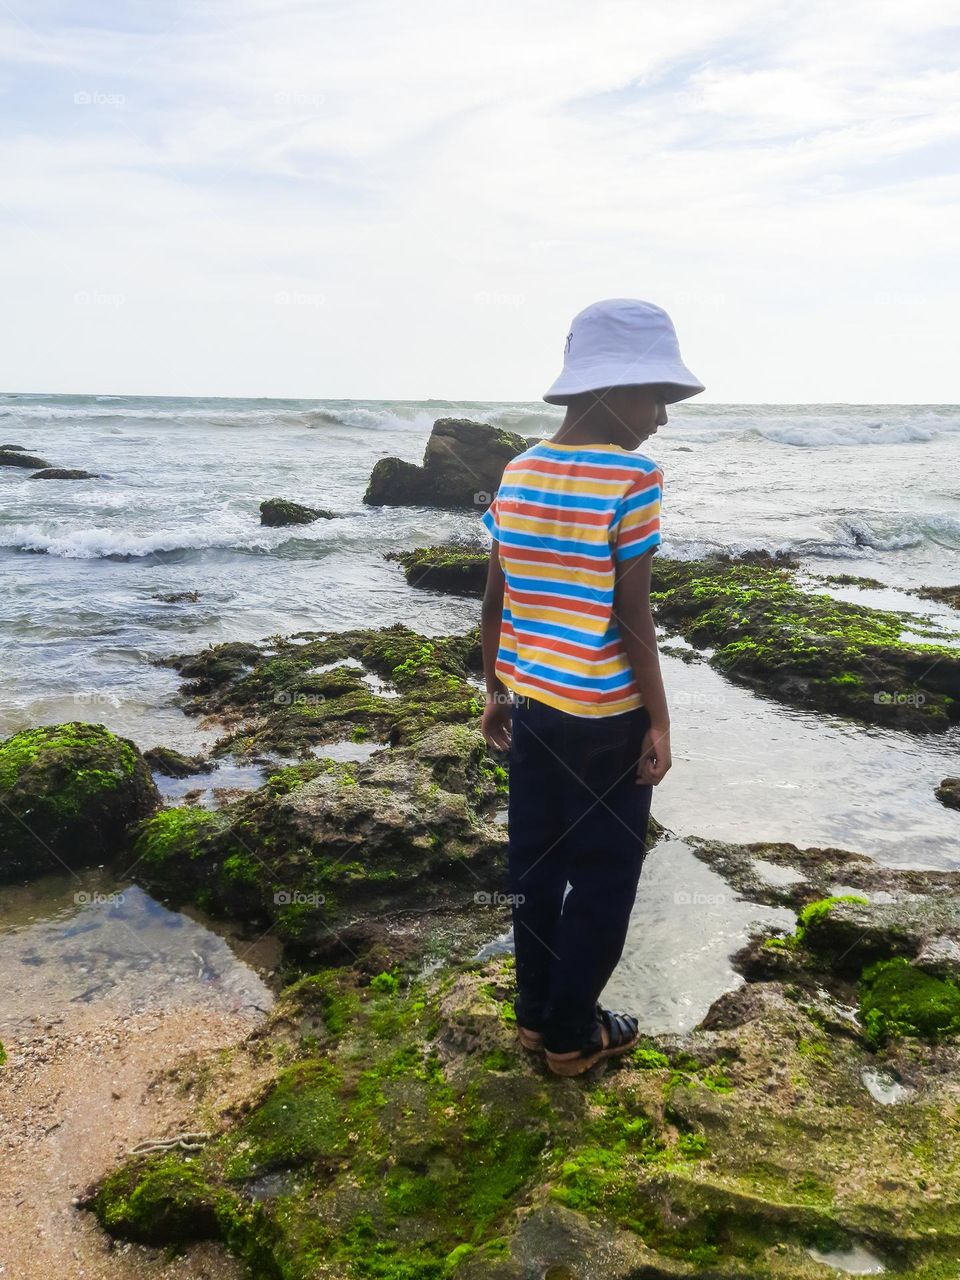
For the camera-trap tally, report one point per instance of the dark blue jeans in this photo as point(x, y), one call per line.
point(577, 817)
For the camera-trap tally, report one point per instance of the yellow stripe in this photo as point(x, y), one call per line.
point(542, 525)
point(575, 486)
point(559, 573)
point(562, 617)
point(568, 664)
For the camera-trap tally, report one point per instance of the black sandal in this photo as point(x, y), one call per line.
point(614, 1033)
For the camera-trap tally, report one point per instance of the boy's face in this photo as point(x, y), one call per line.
point(635, 413)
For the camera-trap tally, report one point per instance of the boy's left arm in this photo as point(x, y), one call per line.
point(497, 712)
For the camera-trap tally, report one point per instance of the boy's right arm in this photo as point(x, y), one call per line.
point(497, 712)
point(639, 638)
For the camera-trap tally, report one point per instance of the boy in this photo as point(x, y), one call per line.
point(573, 677)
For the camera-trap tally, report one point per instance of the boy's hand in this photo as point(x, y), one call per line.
point(655, 758)
point(497, 722)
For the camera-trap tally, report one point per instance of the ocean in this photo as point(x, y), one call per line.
point(868, 490)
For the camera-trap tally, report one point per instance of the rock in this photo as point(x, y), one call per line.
point(326, 843)
point(301, 692)
point(16, 457)
point(462, 468)
point(939, 956)
point(460, 570)
point(943, 595)
point(172, 764)
point(63, 473)
point(178, 597)
point(948, 793)
point(69, 793)
point(275, 512)
point(807, 648)
point(406, 1118)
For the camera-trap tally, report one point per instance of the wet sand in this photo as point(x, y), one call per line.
point(74, 1099)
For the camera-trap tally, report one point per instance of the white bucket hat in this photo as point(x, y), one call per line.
point(622, 342)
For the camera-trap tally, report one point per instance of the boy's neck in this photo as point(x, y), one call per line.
point(580, 427)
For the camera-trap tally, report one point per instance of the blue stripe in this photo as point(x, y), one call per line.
point(558, 631)
point(619, 680)
point(599, 457)
point(551, 498)
point(562, 546)
point(630, 549)
point(572, 590)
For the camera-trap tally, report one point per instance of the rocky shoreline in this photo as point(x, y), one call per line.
point(382, 1122)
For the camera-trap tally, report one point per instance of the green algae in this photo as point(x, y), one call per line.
point(897, 999)
point(68, 795)
point(288, 706)
point(398, 1156)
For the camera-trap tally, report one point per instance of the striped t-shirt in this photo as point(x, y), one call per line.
point(563, 516)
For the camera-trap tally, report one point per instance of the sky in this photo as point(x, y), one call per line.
point(381, 200)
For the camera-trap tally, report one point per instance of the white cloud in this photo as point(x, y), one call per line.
point(435, 189)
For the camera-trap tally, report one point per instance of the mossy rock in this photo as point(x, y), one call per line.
point(462, 468)
point(299, 692)
point(948, 793)
point(69, 794)
point(450, 568)
point(14, 456)
point(401, 1151)
point(808, 648)
point(324, 843)
point(275, 512)
point(64, 473)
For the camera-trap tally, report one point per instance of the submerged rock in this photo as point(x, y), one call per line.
point(173, 764)
point(943, 595)
point(15, 456)
point(63, 473)
point(69, 794)
point(462, 468)
point(275, 512)
point(948, 793)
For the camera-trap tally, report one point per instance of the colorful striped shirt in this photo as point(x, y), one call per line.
point(563, 517)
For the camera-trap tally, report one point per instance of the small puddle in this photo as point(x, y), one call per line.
point(883, 1086)
point(75, 940)
point(855, 1261)
point(224, 776)
point(775, 874)
point(346, 751)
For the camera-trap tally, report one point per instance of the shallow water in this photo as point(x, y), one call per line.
point(88, 939)
point(685, 925)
